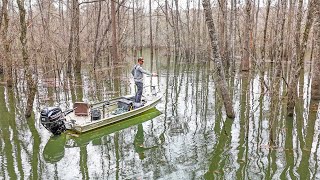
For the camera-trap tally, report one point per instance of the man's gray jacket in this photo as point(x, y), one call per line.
point(138, 72)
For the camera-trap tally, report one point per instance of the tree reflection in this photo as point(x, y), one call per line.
point(138, 142)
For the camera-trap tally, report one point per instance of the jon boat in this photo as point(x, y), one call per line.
point(54, 150)
point(85, 117)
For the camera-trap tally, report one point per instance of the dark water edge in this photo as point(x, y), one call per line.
point(187, 137)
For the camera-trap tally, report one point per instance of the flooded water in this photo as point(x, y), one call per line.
point(187, 136)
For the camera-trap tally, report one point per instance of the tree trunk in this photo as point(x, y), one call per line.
point(315, 88)
point(255, 31)
point(177, 29)
point(114, 34)
point(298, 60)
point(223, 39)
point(71, 40)
point(167, 29)
point(292, 89)
point(2, 10)
point(280, 39)
point(232, 35)
point(4, 2)
point(141, 29)
point(95, 57)
point(23, 39)
point(6, 45)
point(74, 42)
point(77, 67)
point(245, 61)
point(100, 46)
point(215, 57)
point(134, 32)
point(151, 36)
point(307, 29)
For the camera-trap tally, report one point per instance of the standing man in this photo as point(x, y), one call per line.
point(137, 73)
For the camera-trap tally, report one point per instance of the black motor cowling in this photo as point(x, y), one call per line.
point(52, 118)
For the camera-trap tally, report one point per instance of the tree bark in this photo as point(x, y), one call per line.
point(23, 39)
point(315, 87)
point(215, 57)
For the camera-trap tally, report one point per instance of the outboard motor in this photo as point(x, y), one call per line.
point(52, 118)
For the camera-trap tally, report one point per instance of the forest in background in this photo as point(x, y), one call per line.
point(55, 37)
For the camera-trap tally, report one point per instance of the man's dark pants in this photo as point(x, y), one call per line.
point(139, 92)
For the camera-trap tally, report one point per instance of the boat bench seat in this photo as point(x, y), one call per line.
point(81, 109)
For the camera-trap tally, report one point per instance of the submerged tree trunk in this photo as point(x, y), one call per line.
point(215, 57)
point(23, 39)
point(315, 88)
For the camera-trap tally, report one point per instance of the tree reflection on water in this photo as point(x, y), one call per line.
point(188, 136)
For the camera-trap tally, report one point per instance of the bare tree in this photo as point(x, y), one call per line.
point(23, 39)
point(300, 51)
point(215, 57)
